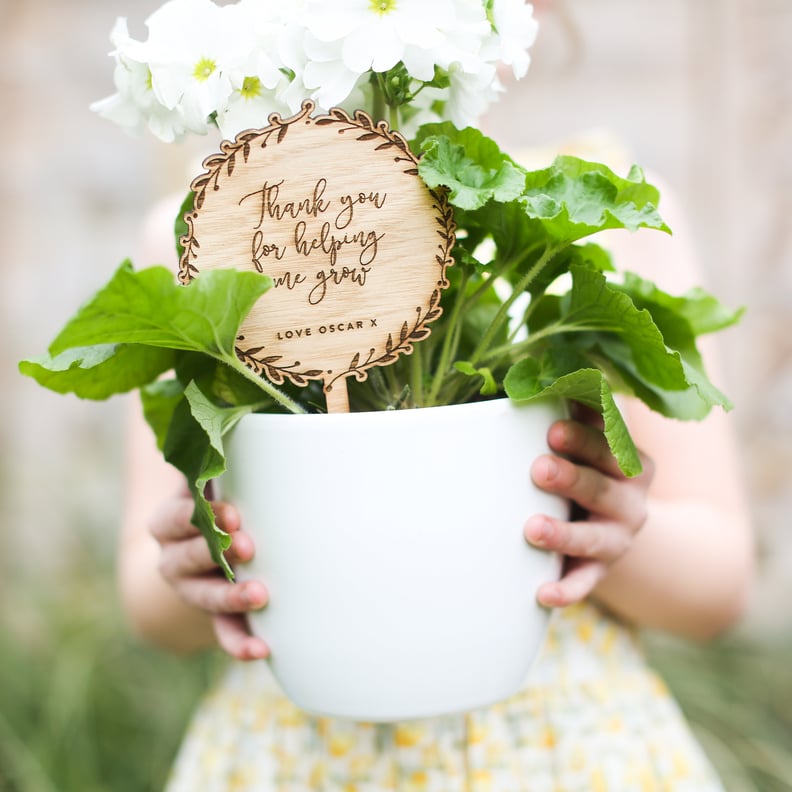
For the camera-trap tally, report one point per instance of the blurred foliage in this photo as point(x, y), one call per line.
point(737, 696)
point(83, 706)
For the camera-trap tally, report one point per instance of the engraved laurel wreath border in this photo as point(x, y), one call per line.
point(225, 163)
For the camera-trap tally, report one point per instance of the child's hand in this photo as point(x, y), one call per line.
point(615, 508)
point(185, 563)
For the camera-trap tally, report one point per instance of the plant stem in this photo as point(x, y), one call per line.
point(416, 375)
point(394, 117)
point(394, 386)
point(558, 328)
point(276, 395)
point(449, 342)
point(378, 101)
point(503, 312)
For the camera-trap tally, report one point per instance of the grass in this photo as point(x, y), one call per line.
point(84, 707)
point(737, 695)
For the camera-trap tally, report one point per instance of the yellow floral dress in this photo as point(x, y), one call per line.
point(592, 717)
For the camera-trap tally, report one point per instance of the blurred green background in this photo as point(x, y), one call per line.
point(698, 92)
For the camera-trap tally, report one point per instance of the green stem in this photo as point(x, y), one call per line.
point(449, 343)
point(416, 375)
point(380, 389)
point(393, 384)
point(378, 102)
point(394, 117)
point(503, 312)
point(515, 351)
point(276, 395)
point(529, 309)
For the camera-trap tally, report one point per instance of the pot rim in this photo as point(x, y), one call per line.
point(498, 406)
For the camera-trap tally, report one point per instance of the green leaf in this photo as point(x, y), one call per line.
point(235, 390)
point(691, 403)
point(703, 312)
point(595, 305)
point(514, 233)
point(667, 380)
point(469, 164)
point(160, 400)
point(489, 387)
point(527, 381)
point(150, 307)
point(574, 199)
point(194, 445)
point(180, 227)
point(100, 371)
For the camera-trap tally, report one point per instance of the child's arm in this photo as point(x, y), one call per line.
point(672, 549)
point(173, 593)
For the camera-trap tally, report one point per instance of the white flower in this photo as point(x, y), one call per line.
point(255, 79)
point(466, 33)
point(471, 94)
point(326, 74)
point(135, 107)
point(191, 48)
point(234, 65)
point(377, 34)
point(516, 30)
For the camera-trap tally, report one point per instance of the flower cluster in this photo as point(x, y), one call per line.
point(233, 65)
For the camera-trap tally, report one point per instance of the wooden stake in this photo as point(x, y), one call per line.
point(338, 397)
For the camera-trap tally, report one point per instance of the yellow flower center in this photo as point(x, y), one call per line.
point(204, 69)
point(251, 88)
point(383, 7)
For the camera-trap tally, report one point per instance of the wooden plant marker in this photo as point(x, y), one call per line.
point(332, 208)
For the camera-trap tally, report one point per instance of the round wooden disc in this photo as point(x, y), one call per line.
point(333, 209)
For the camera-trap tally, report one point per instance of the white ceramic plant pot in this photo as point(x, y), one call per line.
point(392, 546)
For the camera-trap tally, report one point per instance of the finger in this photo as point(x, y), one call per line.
point(226, 516)
point(587, 415)
point(217, 595)
point(597, 493)
point(604, 541)
point(187, 558)
point(191, 557)
point(233, 635)
point(172, 522)
point(584, 443)
point(575, 585)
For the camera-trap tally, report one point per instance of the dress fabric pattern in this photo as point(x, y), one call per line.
point(591, 717)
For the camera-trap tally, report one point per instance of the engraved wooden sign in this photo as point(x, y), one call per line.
point(333, 209)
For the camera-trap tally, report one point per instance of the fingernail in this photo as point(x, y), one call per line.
point(253, 597)
point(538, 530)
point(551, 596)
point(259, 650)
point(551, 468)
